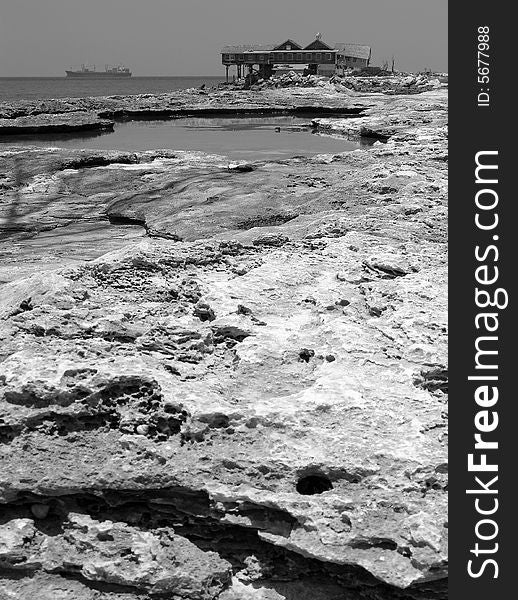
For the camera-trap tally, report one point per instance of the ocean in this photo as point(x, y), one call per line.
point(40, 88)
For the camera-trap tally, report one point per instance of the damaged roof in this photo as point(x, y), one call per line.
point(354, 50)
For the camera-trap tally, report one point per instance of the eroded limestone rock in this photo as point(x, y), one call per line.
point(179, 390)
point(117, 554)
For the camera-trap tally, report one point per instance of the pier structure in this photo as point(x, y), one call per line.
point(318, 57)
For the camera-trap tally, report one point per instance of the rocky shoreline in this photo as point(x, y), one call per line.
point(54, 123)
point(242, 394)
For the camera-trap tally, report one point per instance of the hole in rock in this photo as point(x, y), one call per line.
point(305, 354)
point(313, 484)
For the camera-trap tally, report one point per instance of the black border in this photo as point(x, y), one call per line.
point(472, 129)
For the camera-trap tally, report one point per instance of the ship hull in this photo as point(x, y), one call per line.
point(96, 75)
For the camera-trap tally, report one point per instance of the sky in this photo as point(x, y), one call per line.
point(184, 37)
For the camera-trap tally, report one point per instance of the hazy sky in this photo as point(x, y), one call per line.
point(184, 37)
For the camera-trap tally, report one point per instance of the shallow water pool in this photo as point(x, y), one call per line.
point(255, 138)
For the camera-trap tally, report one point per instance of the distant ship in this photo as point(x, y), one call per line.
point(86, 72)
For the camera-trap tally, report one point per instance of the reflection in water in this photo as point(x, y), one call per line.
point(247, 138)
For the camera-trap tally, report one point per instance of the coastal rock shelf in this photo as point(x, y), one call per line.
point(64, 115)
point(243, 395)
point(189, 102)
point(70, 122)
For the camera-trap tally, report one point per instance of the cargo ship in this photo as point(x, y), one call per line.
point(86, 72)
